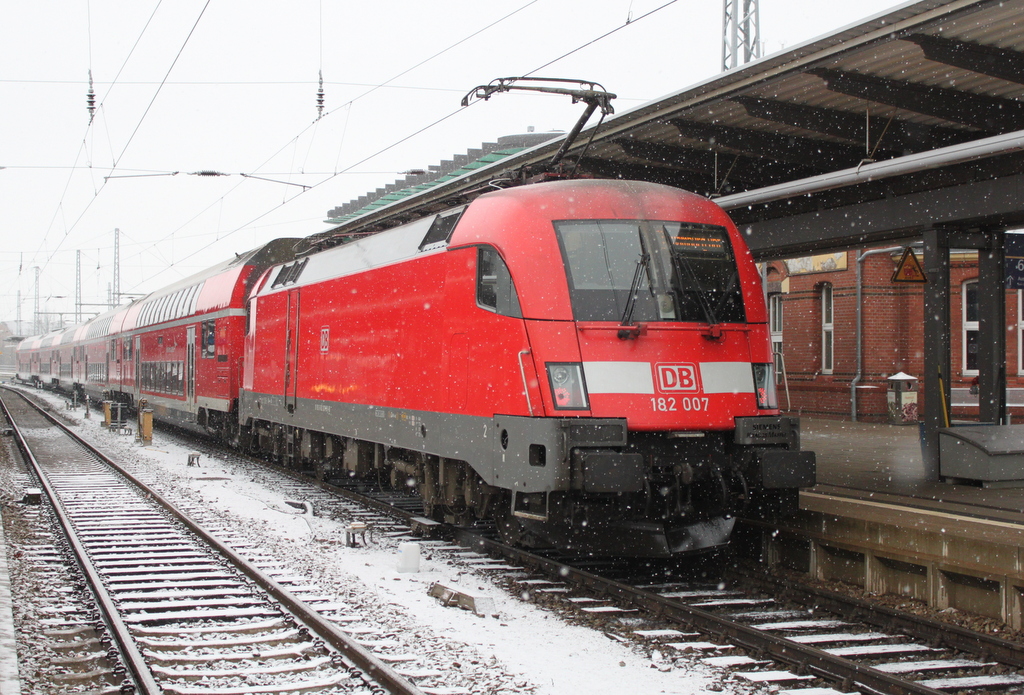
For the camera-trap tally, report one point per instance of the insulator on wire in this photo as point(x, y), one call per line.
point(320, 98)
point(90, 100)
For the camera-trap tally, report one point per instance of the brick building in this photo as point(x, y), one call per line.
point(813, 308)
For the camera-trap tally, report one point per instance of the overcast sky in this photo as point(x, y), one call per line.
point(230, 86)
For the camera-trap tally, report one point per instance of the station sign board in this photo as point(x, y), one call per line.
point(1014, 261)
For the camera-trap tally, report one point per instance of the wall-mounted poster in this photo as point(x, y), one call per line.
point(824, 263)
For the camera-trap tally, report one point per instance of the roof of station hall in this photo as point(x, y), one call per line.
point(925, 76)
point(423, 180)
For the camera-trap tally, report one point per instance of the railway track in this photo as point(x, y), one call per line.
point(800, 641)
point(182, 611)
point(819, 647)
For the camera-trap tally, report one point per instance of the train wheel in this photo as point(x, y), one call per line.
point(508, 526)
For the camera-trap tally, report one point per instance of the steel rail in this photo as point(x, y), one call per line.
point(145, 683)
point(807, 659)
point(926, 629)
point(330, 633)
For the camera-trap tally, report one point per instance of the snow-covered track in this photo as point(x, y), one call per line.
point(757, 634)
point(187, 612)
point(762, 640)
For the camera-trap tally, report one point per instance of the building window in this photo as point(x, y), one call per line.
point(969, 328)
point(1020, 332)
point(827, 335)
point(775, 327)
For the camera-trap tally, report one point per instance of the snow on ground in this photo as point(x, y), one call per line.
point(551, 656)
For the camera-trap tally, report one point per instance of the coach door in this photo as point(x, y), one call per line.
point(136, 366)
point(291, 351)
point(190, 367)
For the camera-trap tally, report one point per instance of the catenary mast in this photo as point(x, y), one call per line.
point(741, 32)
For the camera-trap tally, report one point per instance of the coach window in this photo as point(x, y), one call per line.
point(126, 349)
point(827, 335)
point(209, 339)
point(969, 328)
point(179, 304)
point(193, 295)
point(494, 288)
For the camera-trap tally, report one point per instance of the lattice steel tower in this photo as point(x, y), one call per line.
point(741, 32)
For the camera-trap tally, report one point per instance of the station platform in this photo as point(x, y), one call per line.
point(883, 463)
point(879, 519)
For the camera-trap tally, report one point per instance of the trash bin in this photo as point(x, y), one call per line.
point(902, 399)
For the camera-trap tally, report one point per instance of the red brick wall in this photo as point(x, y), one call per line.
point(893, 337)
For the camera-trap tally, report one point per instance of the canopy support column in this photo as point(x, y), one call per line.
point(936, 346)
point(992, 329)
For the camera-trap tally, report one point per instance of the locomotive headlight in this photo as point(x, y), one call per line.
point(764, 386)
point(568, 389)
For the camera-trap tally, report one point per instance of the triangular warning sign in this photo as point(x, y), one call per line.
point(909, 269)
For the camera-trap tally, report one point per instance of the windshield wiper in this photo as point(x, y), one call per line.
point(681, 263)
point(627, 329)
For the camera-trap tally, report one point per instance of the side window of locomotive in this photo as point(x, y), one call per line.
point(494, 288)
point(209, 339)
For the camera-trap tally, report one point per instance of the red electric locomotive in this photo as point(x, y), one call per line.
point(586, 362)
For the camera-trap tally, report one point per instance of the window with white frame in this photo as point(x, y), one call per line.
point(969, 328)
point(775, 327)
point(827, 334)
point(1020, 332)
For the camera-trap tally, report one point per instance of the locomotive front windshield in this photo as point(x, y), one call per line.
point(673, 271)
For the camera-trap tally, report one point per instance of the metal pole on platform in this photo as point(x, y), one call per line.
point(936, 347)
point(992, 329)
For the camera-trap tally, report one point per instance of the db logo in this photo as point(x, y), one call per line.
point(677, 377)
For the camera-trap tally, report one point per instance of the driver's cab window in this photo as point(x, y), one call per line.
point(494, 288)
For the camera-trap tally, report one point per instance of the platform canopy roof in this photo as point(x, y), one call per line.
point(911, 118)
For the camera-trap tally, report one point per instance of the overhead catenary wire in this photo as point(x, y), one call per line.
point(258, 173)
point(347, 105)
point(428, 126)
point(161, 85)
point(82, 147)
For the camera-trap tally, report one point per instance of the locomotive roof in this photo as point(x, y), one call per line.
point(391, 246)
point(629, 198)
